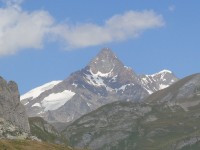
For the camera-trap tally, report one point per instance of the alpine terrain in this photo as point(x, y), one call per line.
point(104, 80)
point(166, 120)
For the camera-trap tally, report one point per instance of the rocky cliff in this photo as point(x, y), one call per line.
point(11, 109)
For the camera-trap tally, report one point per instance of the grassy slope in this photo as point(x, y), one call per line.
point(173, 125)
point(169, 129)
point(29, 145)
point(42, 133)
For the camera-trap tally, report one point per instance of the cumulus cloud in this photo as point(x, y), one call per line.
point(118, 28)
point(21, 30)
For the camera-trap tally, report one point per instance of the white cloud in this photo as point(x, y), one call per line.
point(117, 28)
point(21, 30)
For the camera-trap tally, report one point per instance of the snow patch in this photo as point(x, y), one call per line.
point(95, 80)
point(123, 87)
point(36, 105)
point(56, 100)
point(144, 80)
point(128, 68)
point(109, 89)
point(37, 91)
point(74, 84)
point(161, 72)
point(89, 104)
point(26, 103)
point(163, 86)
point(165, 71)
point(100, 74)
point(114, 78)
point(40, 113)
point(149, 91)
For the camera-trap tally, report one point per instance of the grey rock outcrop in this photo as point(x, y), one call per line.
point(11, 108)
point(9, 131)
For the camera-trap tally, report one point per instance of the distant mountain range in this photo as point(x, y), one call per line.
point(104, 80)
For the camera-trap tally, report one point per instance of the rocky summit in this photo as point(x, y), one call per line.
point(104, 80)
point(13, 117)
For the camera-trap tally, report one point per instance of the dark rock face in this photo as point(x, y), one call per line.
point(11, 108)
point(104, 80)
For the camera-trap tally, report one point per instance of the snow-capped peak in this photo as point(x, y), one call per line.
point(158, 81)
point(37, 91)
point(162, 72)
point(165, 71)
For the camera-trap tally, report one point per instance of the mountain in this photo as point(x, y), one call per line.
point(104, 80)
point(185, 93)
point(158, 81)
point(45, 131)
point(13, 117)
point(167, 120)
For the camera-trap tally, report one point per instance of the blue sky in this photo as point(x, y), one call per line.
point(45, 40)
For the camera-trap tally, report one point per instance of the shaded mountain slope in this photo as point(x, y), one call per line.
point(161, 122)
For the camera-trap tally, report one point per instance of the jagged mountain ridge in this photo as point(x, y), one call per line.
point(157, 81)
point(104, 80)
point(179, 93)
point(168, 119)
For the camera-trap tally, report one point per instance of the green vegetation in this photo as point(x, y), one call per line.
point(30, 145)
point(171, 127)
point(44, 131)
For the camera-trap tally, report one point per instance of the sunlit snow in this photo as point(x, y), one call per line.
point(37, 91)
point(163, 86)
point(96, 78)
point(56, 100)
point(163, 72)
point(36, 105)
